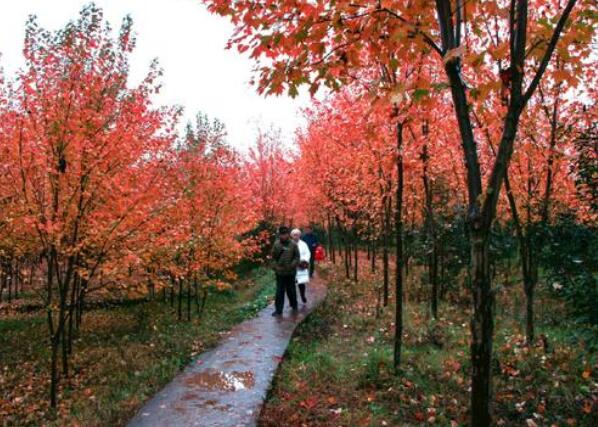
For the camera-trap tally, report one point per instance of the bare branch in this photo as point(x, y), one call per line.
point(549, 50)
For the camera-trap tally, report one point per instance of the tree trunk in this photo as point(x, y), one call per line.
point(399, 250)
point(347, 255)
point(434, 278)
point(385, 242)
point(330, 241)
point(16, 279)
point(203, 302)
point(355, 256)
point(188, 300)
point(196, 290)
point(430, 233)
point(482, 329)
point(2, 281)
point(180, 299)
point(54, 373)
point(65, 360)
point(374, 249)
point(172, 285)
point(529, 318)
point(9, 281)
point(529, 268)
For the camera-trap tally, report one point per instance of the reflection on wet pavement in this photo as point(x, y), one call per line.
point(227, 386)
point(226, 381)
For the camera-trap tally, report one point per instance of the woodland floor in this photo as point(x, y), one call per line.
point(338, 369)
point(125, 355)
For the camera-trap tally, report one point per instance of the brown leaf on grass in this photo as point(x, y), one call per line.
point(331, 400)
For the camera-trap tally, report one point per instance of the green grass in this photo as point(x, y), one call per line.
point(339, 368)
point(124, 355)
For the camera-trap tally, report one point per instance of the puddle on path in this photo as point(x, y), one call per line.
point(213, 380)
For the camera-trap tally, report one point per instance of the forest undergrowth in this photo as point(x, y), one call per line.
point(338, 371)
point(124, 355)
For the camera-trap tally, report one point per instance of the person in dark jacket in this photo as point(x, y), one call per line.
point(312, 242)
point(285, 259)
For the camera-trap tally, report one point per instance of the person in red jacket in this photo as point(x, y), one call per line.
point(312, 242)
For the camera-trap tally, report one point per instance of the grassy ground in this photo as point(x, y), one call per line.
point(123, 357)
point(338, 370)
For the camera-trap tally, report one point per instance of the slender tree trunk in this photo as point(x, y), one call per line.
point(347, 254)
point(151, 289)
point(374, 250)
point(385, 243)
point(81, 302)
point(330, 241)
point(482, 328)
point(188, 300)
point(16, 279)
point(350, 247)
point(65, 360)
point(430, 232)
point(528, 264)
point(54, 337)
point(71, 314)
point(434, 277)
point(399, 250)
point(355, 255)
point(2, 281)
point(9, 280)
point(180, 298)
point(54, 343)
point(203, 302)
point(339, 240)
point(172, 285)
point(529, 285)
point(196, 290)
point(31, 275)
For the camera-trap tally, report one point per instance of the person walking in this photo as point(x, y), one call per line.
point(285, 259)
point(312, 243)
point(302, 277)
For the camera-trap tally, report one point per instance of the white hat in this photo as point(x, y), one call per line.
point(295, 231)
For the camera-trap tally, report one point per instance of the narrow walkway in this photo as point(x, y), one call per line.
point(227, 385)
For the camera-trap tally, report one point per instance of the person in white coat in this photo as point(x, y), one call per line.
point(302, 276)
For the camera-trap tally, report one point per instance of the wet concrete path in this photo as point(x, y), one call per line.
point(227, 385)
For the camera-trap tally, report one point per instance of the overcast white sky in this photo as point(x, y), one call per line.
point(199, 73)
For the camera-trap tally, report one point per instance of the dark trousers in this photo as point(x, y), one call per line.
point(285, 284)
point(302, 292)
